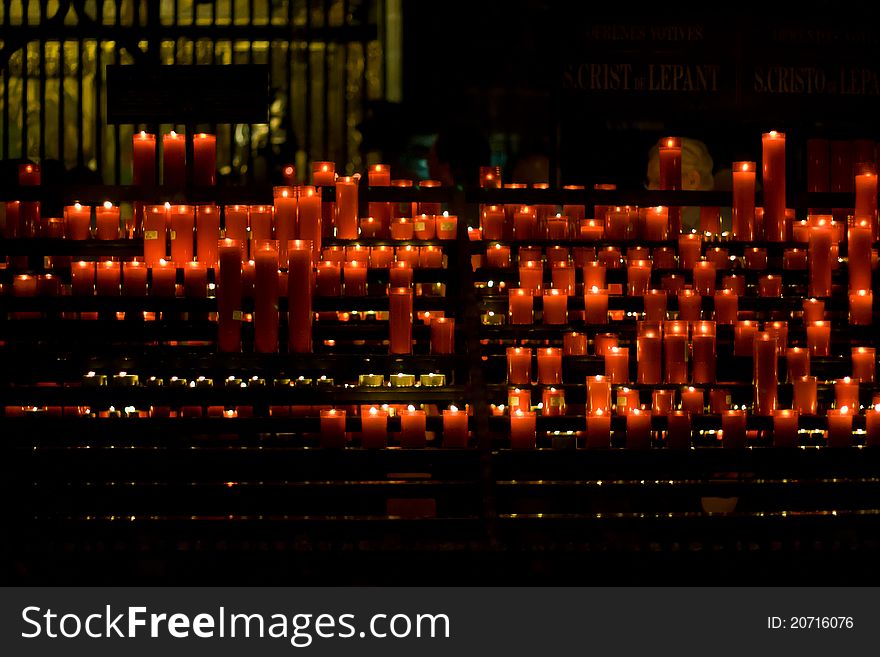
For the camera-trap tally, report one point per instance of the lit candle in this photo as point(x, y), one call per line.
point(522, 429)
point(840, 431)
point(627, 400)
point(346, 208)
point(773, 179)
point(638, 430)
point(261, 221)
point(617, 364)
point(780, 331)
point(603, 342)
point(400, 274)
point(704, 352)
point(599, 429)
point(332, 420)
point(550, 366)
point(555, 307)
point(370, 227)
point(755, 258)
point(770, 286)
point(144, 159)
point(726, 305)
point(804, 395)
point(25, 285)
point(328, 283)
point(797, 362)
point(519, 365)
point(204, 159)
point(431, 256)
point(442, 335)
point(785, 428)
point(689, 305)
point(846, 392)
point(557, 227)
point(525, 223)
point(107, 221)
point(591, 229)
point(455, 428)
point(374, 429)
point(861, 307)
point(519, 306)
point(863, 364)
point(814, 310)
point(300, 285)
point(447, 227)
point(400, 320)
point(872, 426)
point(655, 305)
point(195, 280)
point(744, 337)
point(237, 222)
point(425, 227)
point(689, 247)
point(163, 281)
point(675, 346)
point(743, 201)
point(402, 229)
point(598, 394)
point(229, 295)
point(134, 279)
point(82, 278)
point(866, 194)
point(594, 275)
point(266, 299)
point(859, 255)
point(412, 428)
point(207, 234)
point(670, 176)
point(323, 173)
point(286, 227)
point(819, 259)
point(692, 400)
point(819, 338)
point(678, 430)
point(493, 222)
point(77, 219)
point(765, 374)
point(173, 160)
point(719, 400)
point(182, 224)
point(733, 426)
point(355, 276)
point(108, 278)
point(552, 402)
point(596, 306)
point(794, 259)
point(638, 277)
point(610, 258)
point(531, 276)
point(704, 278)
point(648, 349)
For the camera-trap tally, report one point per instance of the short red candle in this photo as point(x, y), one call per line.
point(797, 362)
point(531, 276)
point(655, 305)
point(195, 280)
point(773, 179)
point(182, 225)
point(412, 428)
point(204, 159)
point(846, 393)
point(498, 255)
point(323, 173)
point(819, 338)
point(648, 355)
point(261, 219)
point(563, 278)
point(555, 307)
point(400, 275)
point(804, 395)
point(675, 347)
point(455, 428)
point(785, 428)
point(689, 247)
point(638, 430)
point(229, 294)
point(814, 310)
point(743, 212)
point(692, 400)
point(552, 402)
point(493, 222)
point(374, 429)
point(704, 278)
point(550, 366)
point(594, 275)
point(355, 277)
point(840, 432)
point(108, 278)
point(400, 319)
point(519, 365)
point(656, 223)
point(381, 257)
point(134, 279)
point(744, 337)
point(425, 227)
point(861, 307)
point(78, 220)
point(107, 221)
point(442, 335)
point(598, 394)
point(525, 223)
point(638, 277)
point(603, 342)
point(574, 344)
point(627, 400)
point(617, 364)
point(705, 358)
point(522, 429)
point(447, 227)
point(794, 259)
point(163, 279)
point(173, 160)
point(596, 306)
point(520, 306)
point(82, 278)
point(726, 305)
point(863, 364)
point(770, 286)
point(599, 430)
point(733, 425)
point(25, 285)
point(332, 420)
point(144, 159)
point(430, 256)
point(689, 305)
point(328, 283)
point(402, 229)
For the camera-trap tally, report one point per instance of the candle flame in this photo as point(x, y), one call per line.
point(846, 379)
point(519, 412)
point(167, 205)
point(374, 410)
point(172, 134)
point(453, 408)
point(143, 134)
point(670, 142)
point(844, 410)
point(745, 166)
point(77, 205)
point(410, 408)
point(108, 205)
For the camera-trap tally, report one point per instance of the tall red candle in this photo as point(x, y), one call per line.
point(859, 254)
point(379, 175)
point(520, 306)
point(262, 222)
point(598, 394)
point(596, 306)
point(743, 212)
point(689, 305)
point(819, 260)
point(861, 307)
point(300, 285)
point(266, 299)
point(412, 428)
point(863, 364)
point(705, 357)
point(519, 365)
point(182, 225)
point(327, 279)
point(555, 307)
point(675, 347)
point(773, 179)
point(638, 277)
point(866, 195)
point(107, 221)
point(144, 159)
point(286, 229)
point(819, 338)
point(229, 294)
point(400, 320)
point(347, 208)
point(173, 160)
point(207, 234)
point(442, 335)
point(204, 159)
point(670, 176)
point(309, 218)
point(648, 355)
point(766, 377)
point(237, 222)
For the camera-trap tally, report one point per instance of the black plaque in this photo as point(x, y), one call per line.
point(188, 94)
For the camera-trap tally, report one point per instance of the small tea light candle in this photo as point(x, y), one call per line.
point(522, 429)
point(371, 380)
point(332, 428)
point(432, 380)
point(455, 428)
point(785, 428)
point(840, 433)
point(519, 365)
point(401, 380)
point(638, 430)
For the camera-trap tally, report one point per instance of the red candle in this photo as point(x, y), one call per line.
point(557, 227)
point(846, 393)
point(400, 320)
point(603, 342)
point(689, 305)
point(332, 420)
point(819, 260)
point(770, 286)
point(195, 280)
point(552, 402)
point(594, 275)
point(662, 401)
point(328, 282)
point(689, 250)
point(346, 208)
point(550, 366)
point(25, 285)
point(692, 400)
point(819, 338)
point(656, 223)
point(765, 374)
point(744, 337)
point(261, 220)
point(493, 222)
point(531, 276)
point(704, 278)
point(648, 349)
point(173, 160)
point(773, 179)
point(617, 364)
point(447, 226)
point(743, 212)
point(804, 395)
point(108, 278)
point(638, 277)
point(574, 344)
point(82, 278)
point(872, 426)
point(78, 220)
point(519, 306)
point(670, 176)
point(357, 253)
point(840, 433)
point(431, 256)
point(309, 218)
point(229, 295)
point(402, 229)
point(655, 305)
point(370, 227)
point(412, 428)
point(374, 429)
point(591, 229)
point(400, 275)
point(299, 296)
point(733, 426)
point(286, 228)
point(726, 304)
point(599, 429)
point(598, 394)
point(207, 234)
point(797, 361)
point(814, 310)
point(144, 159)
point(794, 259)
point(704, 352)
point(182, 224)
point(638, 430)
point(861, 307)
point(522, 429)
point(204, 159)
point(107, 222)
point(163, 279)
point(455, 428)
point(859, 254)
point(596, 306)
point(323, 173)
point(237, 223)
point(555, 307)
point(627, 400)
point(675, 346)
point(355, 275)
point(719, 400)
point(863, 364)
point(866, 194)
point(785, 428)
point(134, 279)
point(442, 335)
point(678, 431)
point(266, 299)
point(519, 365)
